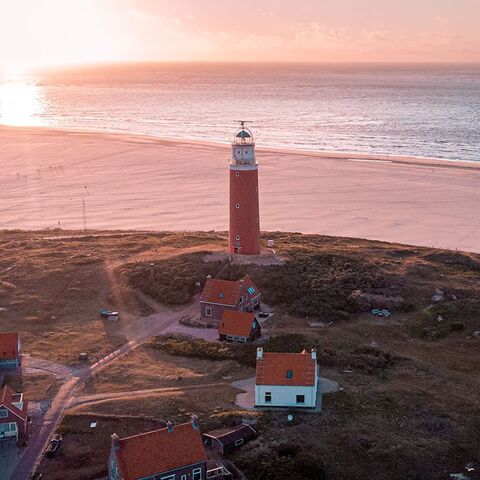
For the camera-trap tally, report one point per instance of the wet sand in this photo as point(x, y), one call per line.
point(139, 182)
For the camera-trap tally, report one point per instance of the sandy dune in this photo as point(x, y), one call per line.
point(138, 182)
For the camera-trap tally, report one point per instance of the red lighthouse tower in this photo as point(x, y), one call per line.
point(244, 207)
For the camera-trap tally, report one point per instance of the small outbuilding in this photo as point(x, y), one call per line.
point(226, 440)
point(240, 327)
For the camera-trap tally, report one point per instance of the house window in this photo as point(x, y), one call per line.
point(208, 311)
point(168, 477)
point(289, 374)
point(239, 442)
point(183, 477)
point(8, 427)
point(300, 398)
point(268, 397)
point(237, 205)
point(3, 413)
point(237, 237)
point(197, 474)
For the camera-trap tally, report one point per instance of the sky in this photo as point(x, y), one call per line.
point(36, 33)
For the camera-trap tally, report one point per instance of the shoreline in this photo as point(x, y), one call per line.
point(327, 154)
point(140, 182)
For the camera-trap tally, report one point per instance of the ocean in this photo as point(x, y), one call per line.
point(413, 110)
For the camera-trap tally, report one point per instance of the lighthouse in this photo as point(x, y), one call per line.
point(244, 235)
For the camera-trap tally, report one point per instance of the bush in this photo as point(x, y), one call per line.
point(172, 281)
point(186, 347)
point(269, 462)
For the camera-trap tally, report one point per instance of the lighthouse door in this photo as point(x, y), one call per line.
point(236, 249)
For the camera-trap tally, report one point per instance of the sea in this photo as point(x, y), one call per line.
point(412, 110)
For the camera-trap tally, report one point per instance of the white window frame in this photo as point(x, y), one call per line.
point(265, 397)
point(237, 174)
point(239, 442)
point(183, 477)
point(237, 238)
point(237, 205)
point(296, 399)
point(8, 427)
point(208, 311)
point(3, 413)
point(168, 477)
point(196, 471)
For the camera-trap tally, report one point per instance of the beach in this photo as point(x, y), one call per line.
point(148, 183)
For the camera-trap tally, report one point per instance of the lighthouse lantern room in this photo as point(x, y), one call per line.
point(244, 235)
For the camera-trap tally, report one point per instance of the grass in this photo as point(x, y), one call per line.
point(148, 367)
point(33, 386)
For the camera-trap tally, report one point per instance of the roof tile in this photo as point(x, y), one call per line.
point(236, 323)
point(273, 367)
point(159, 451)
point(8, 345)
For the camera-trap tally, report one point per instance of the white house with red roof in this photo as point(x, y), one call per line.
point(13, 414)
point(220, 295)
point(9, 350)
point(172, 453)
point(287, 379)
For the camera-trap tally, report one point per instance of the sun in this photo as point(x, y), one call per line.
point(21, 100)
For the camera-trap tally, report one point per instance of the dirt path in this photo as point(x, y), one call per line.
point(97, 398)
point(146, 327)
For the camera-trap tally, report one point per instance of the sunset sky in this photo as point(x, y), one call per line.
point(52, 32)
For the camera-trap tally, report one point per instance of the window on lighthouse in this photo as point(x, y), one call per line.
point(237, 205)
point(237, 237)
point(237, 174)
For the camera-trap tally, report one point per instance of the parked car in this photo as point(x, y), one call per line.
point(53, 446)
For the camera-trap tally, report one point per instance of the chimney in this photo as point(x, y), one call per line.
point(115, 442)
point(169, 426)
point(195, 424)
point(314, 354)
point(259, 353)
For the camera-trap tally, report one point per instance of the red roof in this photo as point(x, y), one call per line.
point(6, 399)
point(236, 323)
point(8, 346)
point(159, 451)
point(227, 292)
point(273, 367)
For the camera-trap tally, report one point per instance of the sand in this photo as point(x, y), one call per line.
point(139, 182)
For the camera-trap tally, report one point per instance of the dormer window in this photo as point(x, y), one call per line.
point(289, 374)
point(3, 413)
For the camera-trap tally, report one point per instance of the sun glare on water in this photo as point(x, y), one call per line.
point(21, 102)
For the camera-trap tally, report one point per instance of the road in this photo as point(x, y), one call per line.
point(148, 326)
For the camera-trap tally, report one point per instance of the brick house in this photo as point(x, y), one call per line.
point(9, 350)
point(287, 379)
point(172, 453)
point(13, 414)
point(220, 295)
point(239, 327)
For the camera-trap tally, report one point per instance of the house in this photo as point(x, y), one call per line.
point(286, 379)
point(172, 453)
point(220, 295)
point(13, 414)
point(226, 440)
point(9, 350)
point(239, 326)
